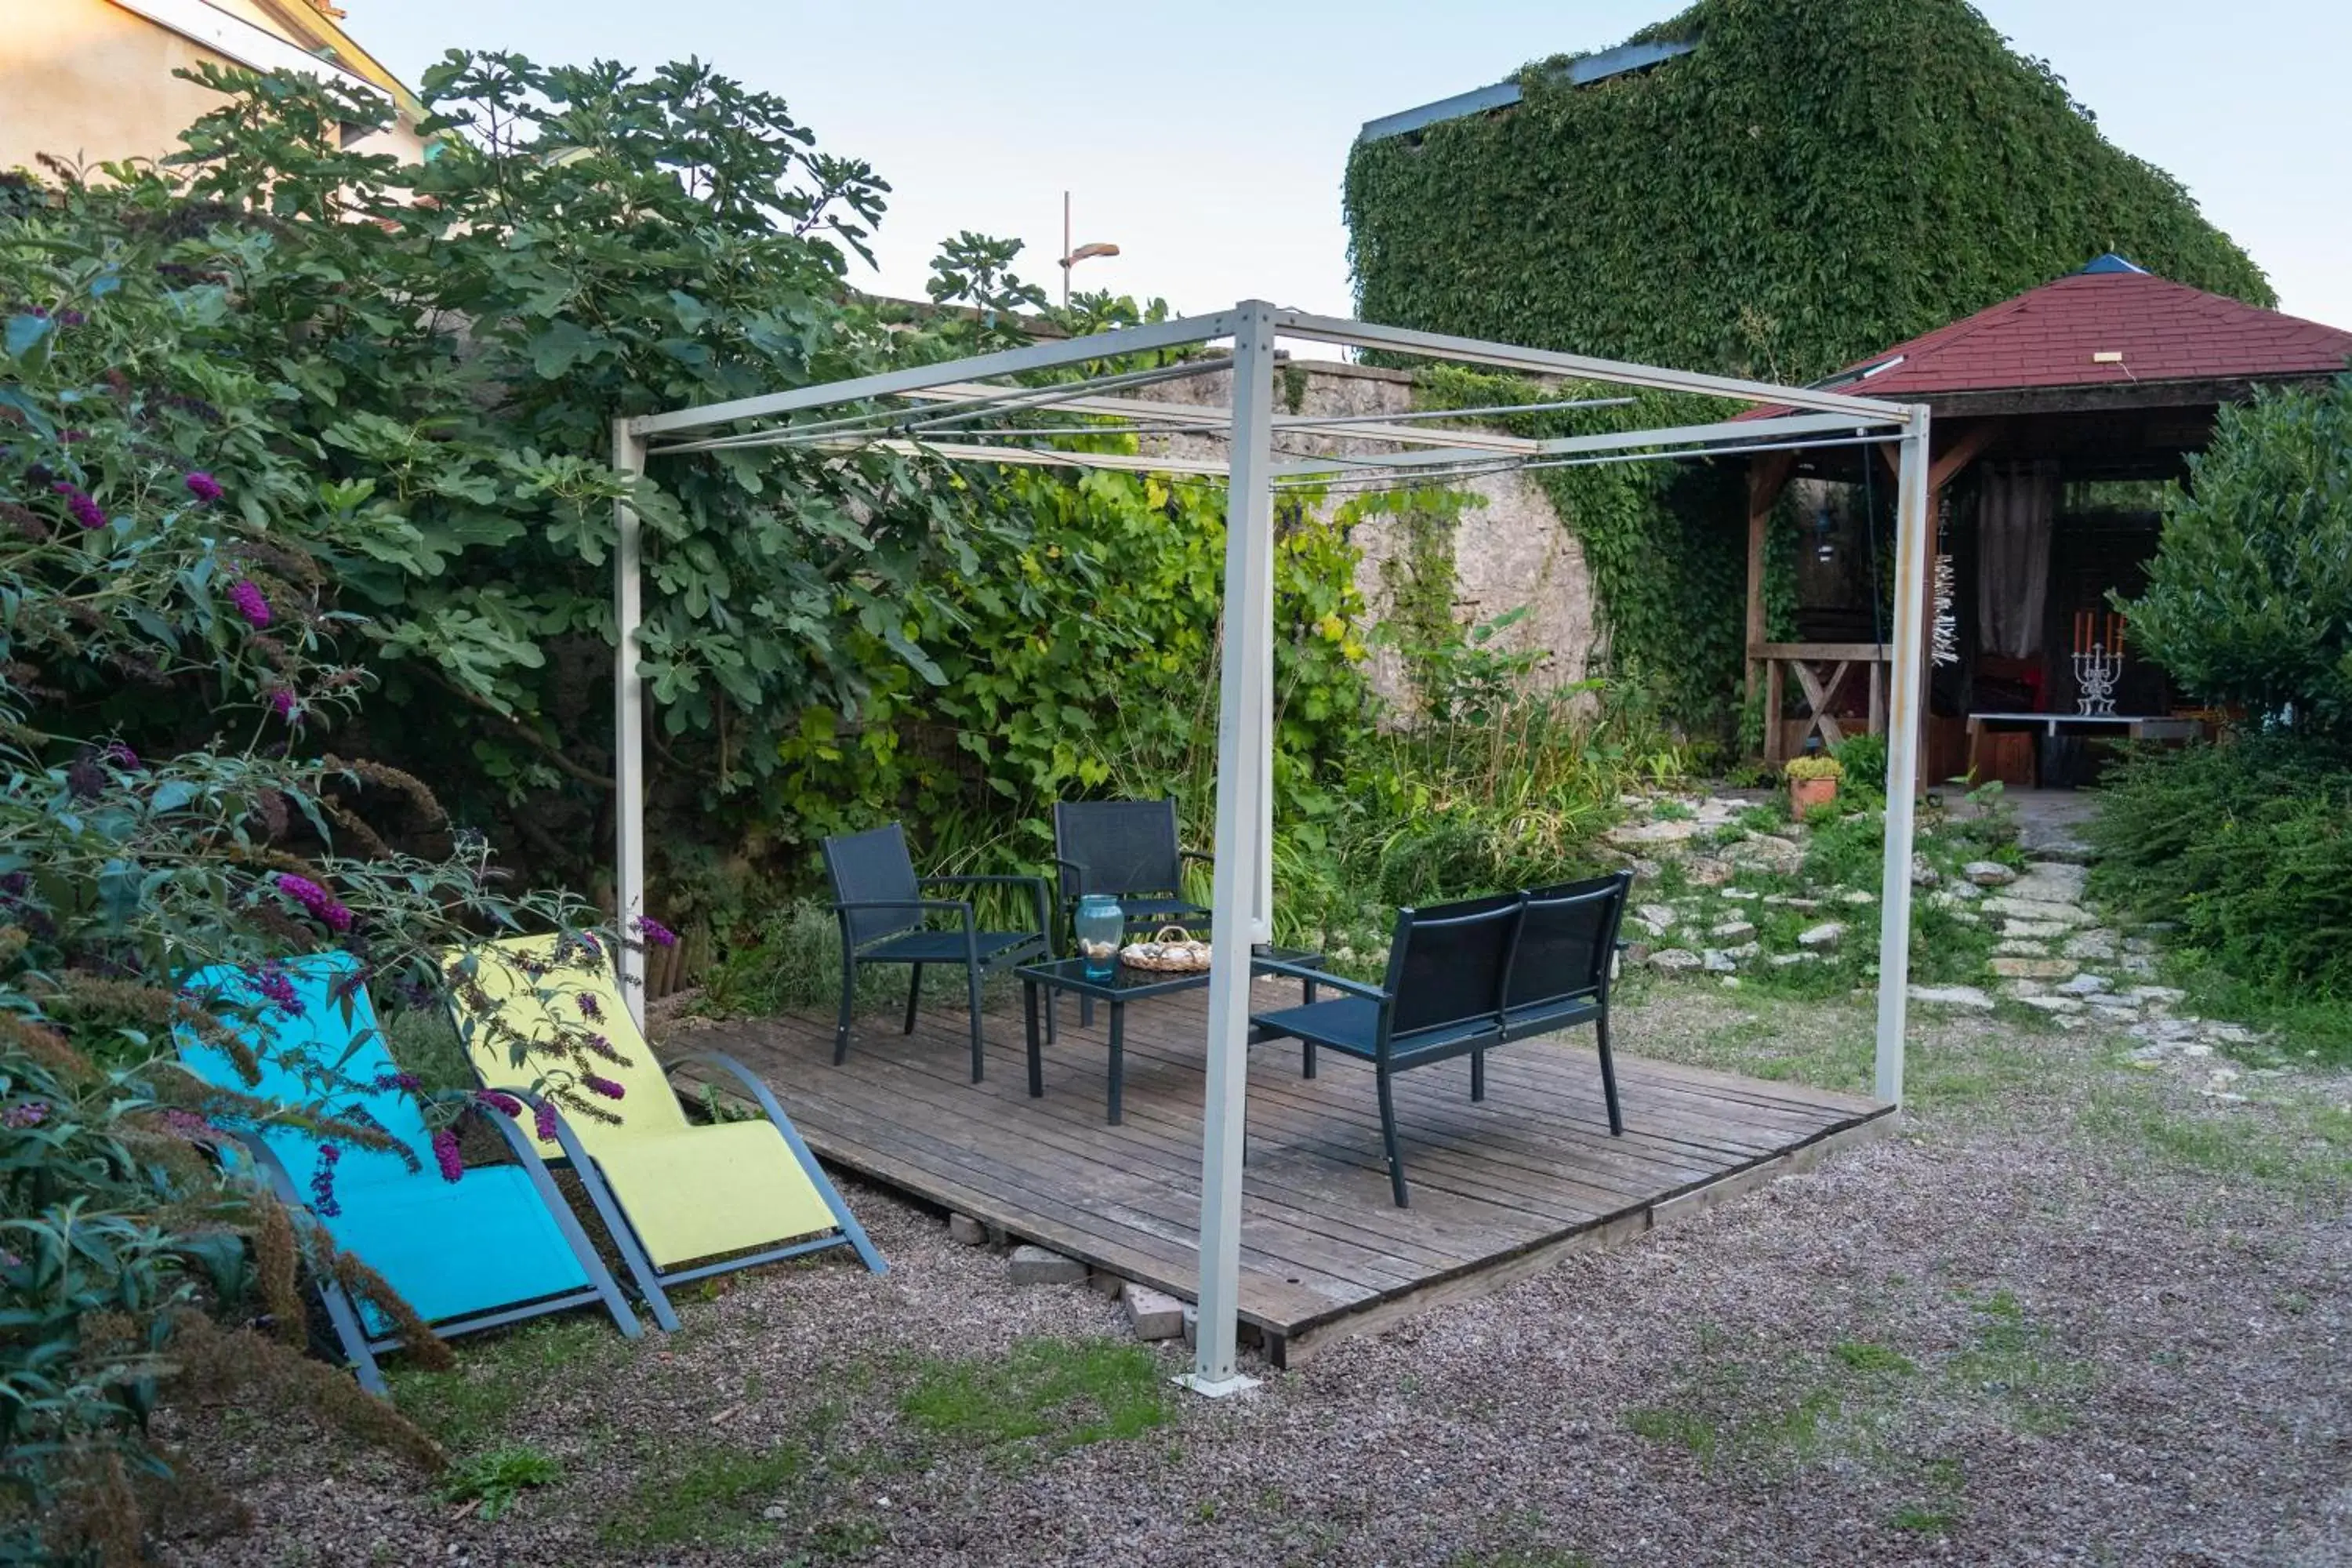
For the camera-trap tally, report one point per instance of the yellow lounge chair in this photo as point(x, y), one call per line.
point(670, 1192)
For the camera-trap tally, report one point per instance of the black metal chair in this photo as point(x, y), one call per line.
point(879, 901)
point(1128, 849)
point(1449, 969)
point(1560, 971)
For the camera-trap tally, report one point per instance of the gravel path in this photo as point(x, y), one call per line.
point(2095, 1320)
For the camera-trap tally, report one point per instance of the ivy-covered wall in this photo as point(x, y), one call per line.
point(1817, 180)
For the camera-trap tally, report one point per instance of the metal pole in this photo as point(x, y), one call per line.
point(628, 727)
point(1902, 729)
point(1245, 740)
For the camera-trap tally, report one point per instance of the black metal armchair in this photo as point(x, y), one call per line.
point(1128, 849)
point(879, 903)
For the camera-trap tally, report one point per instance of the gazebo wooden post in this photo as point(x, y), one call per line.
point(1970, 444)
point(1768, 476)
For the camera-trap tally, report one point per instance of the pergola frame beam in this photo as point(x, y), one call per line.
point(1242, 897)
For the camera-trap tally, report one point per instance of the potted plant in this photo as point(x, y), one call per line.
point(1813, 782)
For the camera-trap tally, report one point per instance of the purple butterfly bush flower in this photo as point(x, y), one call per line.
point(444, 1154)
point(122, 757)
point(500, 1101)
point(276, 988)
point(316, 899)
point(26, 1113)
point(655, 933)
point(590, 1009)
point(283, 704)
point(386, 1082)
point(86, 511)
point(322, 1183)
point(249, 602)
point(204, 488)
point(604, 1085)
point(542, 1120)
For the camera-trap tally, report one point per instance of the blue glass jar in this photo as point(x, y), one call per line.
point(1099, 927)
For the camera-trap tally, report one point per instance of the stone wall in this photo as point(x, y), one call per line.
point(1511, 551)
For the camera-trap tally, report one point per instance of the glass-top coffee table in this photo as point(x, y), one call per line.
point(1123, 985)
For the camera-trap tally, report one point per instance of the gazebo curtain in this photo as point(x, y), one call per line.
point(2018, 503)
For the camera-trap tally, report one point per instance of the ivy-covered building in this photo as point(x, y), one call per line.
point(1772, 188)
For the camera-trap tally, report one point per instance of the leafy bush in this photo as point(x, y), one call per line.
point(1814, 767)
point(175, 651)
point(2249, 599)
point(2247, 849)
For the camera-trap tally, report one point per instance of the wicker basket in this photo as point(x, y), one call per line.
point(1173, 950)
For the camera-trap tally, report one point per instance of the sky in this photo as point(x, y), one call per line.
point(1208, 139)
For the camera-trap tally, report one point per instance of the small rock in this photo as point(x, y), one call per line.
point(2035, 910)
point(2087, 986)
point(2054, 1004)
point(1191, 1326)
point(1106, 1284)
point(1717, 962)
point(775, 1511)
point(1733, 930)
point(1635, 952)
point(1922, 874)
point(1660, 916)
point(2033, 968)
point(2164, 994)
point(2049, 883)
point(2135, 963)
point(1648, 834)
point(1674, 958)
point(1783, 960)
point(2018, 947)
point(1790, 902)
point(1730, 983)
point(1036, 1266)
point(1703, 873)
point(1745, 951)
point(966, 1231)
point(2032, 930)
point(1966, 891)
point(1153, 1314)
point(2093, 944)
point(1857, 897)
point(1989, 873)
point(1826, 934)
point(2021, 989)
point(1967, 997)
point(1739, 895)
point(1967, 917)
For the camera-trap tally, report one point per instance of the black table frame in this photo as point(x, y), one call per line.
point(1122, 985)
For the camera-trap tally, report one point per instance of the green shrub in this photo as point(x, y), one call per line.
point(2249, 599)
point(2247, 849)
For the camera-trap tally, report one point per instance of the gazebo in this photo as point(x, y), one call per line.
point(1007, 408)
point(2081, 388)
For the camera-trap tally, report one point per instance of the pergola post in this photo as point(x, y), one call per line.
point(1913, 530)
point(628, 727)
point(1245, 761)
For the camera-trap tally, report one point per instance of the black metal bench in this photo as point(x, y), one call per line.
point(1463, 979)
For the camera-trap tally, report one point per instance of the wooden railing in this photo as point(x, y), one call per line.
point(1821, 670)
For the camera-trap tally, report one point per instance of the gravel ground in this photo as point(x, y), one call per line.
point(2072, 1313)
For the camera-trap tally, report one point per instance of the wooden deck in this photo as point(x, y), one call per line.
point(1499, 1189)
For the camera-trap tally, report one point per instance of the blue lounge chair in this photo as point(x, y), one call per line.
point(496, 1246)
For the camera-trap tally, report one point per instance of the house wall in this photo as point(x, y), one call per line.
point(87, 81)
point(1512, 551)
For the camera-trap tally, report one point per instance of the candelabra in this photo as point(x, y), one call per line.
point(2096, 670)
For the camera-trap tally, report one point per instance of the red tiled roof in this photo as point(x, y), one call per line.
point(2055, 336)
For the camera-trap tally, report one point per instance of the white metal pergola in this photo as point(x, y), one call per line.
point(972, 411)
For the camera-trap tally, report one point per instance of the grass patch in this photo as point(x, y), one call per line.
point(713, 1496)
point(2300, 1145)
point(1043, 1396)
point(472, 1407)
point(2013, 1359)
point(1862, 1356)
point(498, 1477)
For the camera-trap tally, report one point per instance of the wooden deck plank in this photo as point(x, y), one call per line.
point(1529, 1173)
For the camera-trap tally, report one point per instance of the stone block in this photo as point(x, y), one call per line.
point(2054, 1004)
point(1962, 996)
point(1733, 930)
point(1153, 1314)
point(2087, 986)
point(1829, 933)
point(1036, 1266)
point(2033, 968)
point(1106, 1284)
point(1674, 958)
point(966, 1231)
point(1660, 917)
point(1989, 873)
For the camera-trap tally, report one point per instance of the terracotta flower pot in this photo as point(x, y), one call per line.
point(1806, 794)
